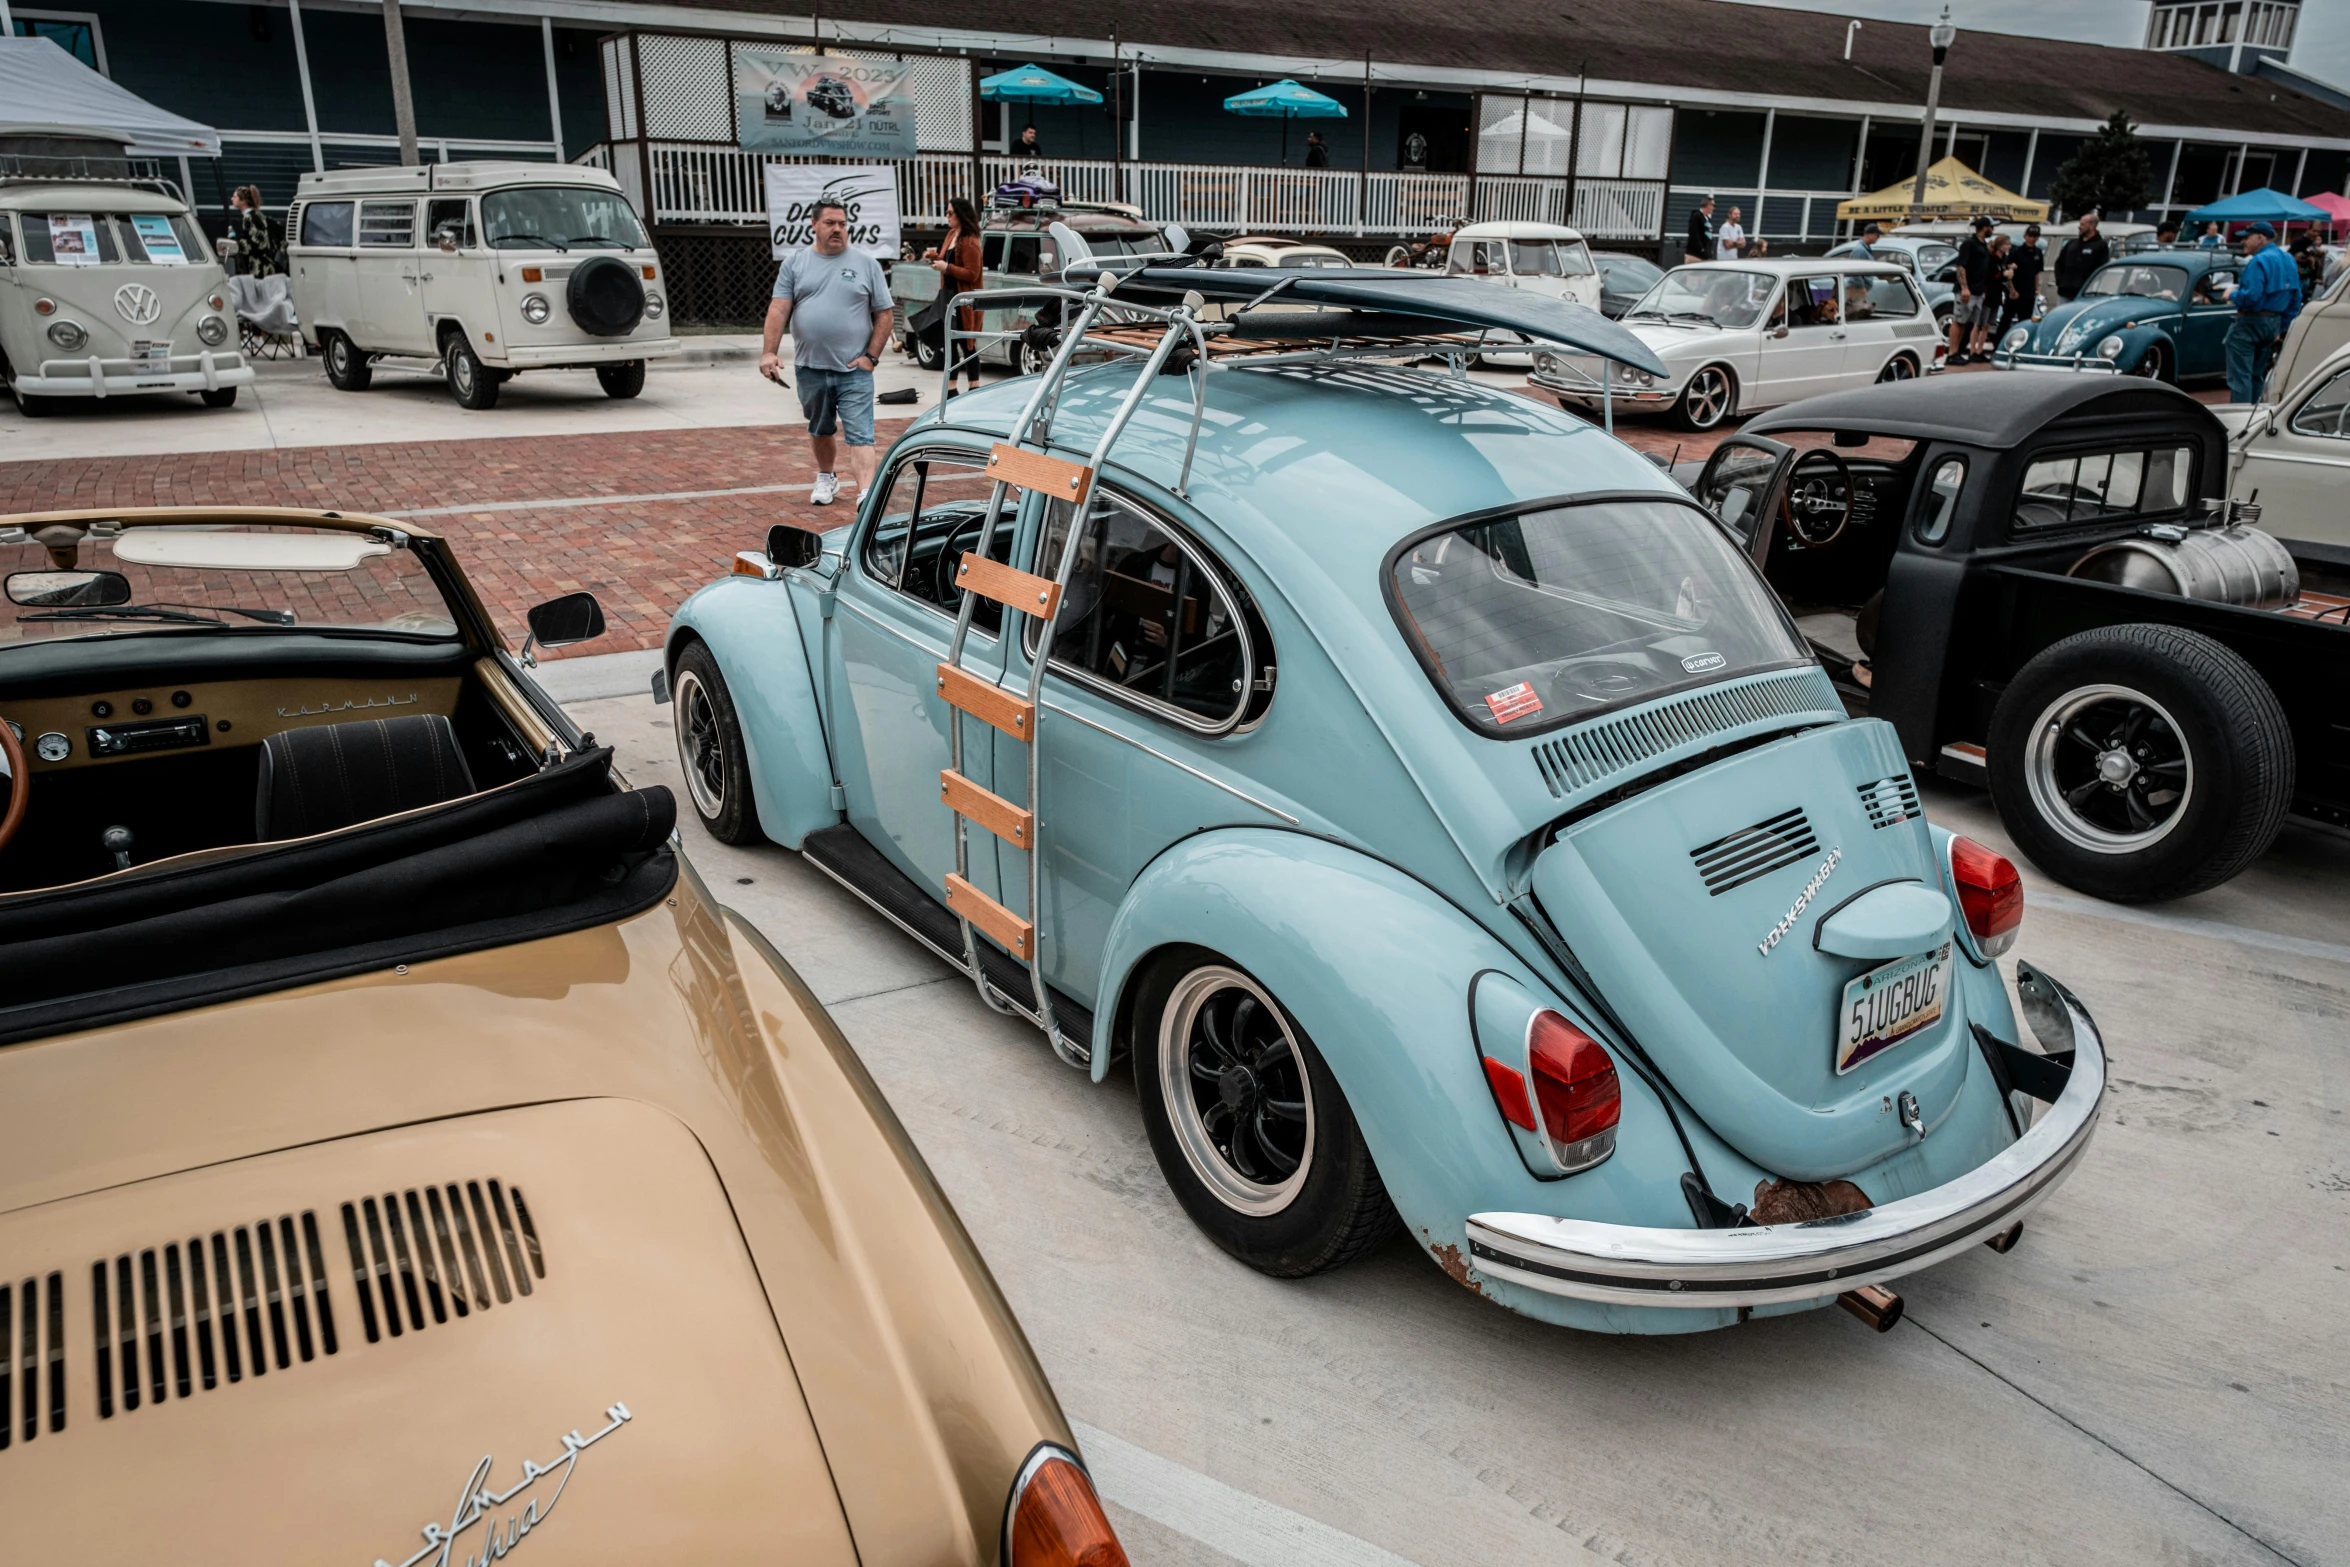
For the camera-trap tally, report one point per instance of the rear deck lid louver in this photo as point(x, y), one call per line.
point(1891, 800)
point(1753, 852)
point(438, 1251)
point(32, 1358)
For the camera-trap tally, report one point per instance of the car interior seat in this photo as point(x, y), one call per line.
point(318, 780)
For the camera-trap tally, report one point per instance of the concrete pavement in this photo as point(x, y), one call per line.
point(2155, 1374)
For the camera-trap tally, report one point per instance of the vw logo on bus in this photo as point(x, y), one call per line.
point(137, 303)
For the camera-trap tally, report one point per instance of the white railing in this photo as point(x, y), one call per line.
point(699, 183)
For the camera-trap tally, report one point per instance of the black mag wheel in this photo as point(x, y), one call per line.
point(1249, 1126)
point(1707, 400)
point(2140, 762)
point(710, 749)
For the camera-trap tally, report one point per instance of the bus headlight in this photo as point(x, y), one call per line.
point(213, 330)
point(653, 306)
point(535, 309)
point(68, 335)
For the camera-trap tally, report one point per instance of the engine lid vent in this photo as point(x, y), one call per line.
point(32, 1357)
point(180, 1318)
point(439, 1249)
point(1772, 844)
point(1891, 800)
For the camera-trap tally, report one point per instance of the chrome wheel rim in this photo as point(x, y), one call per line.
point(461, 371)
point(338, 352)
point(2109, 770)
point(1707, 399)
point(1235, 1085)
point(701, 750)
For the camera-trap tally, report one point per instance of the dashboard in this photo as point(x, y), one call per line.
point(101, 727)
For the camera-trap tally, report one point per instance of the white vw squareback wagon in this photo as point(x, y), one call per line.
point(476, 272)
point(108, 288)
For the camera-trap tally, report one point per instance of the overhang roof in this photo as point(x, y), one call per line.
point(1767, 52)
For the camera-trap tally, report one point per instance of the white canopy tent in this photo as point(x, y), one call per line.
point(45, 91)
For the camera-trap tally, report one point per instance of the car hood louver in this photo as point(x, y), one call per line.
point(394, 1313)
point(1693, 878)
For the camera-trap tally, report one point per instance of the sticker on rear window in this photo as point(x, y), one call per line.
point(1518, 701)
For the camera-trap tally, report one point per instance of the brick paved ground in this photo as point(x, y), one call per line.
point(640, 559)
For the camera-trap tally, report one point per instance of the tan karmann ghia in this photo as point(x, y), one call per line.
point(403, 1159)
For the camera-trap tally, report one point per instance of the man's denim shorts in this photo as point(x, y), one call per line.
point(837, 400)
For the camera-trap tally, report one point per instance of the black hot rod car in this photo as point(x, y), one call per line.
point(2029, 578)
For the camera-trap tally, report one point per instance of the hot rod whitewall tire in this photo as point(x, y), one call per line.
point(710, 749)
point(347, 369)
point(1249, 1126)
point(2140, 763)
point(624, 379)
point(1709, 399)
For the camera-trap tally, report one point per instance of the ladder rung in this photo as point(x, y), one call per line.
point(991, 811)
point(1007, 929)
point(1009, 586)
point(990, 704)
point(1063, 480)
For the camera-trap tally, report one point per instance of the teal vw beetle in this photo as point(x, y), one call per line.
point(1421, 789)
point(2161, 313)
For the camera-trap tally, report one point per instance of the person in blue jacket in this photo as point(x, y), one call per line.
point(2267, 298)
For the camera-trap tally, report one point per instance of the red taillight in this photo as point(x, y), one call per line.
point(1576, 1090)
point(1509, 1093)
point(1056, 1521)
point(1990, 895)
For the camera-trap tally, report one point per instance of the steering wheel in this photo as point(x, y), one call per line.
point(1818, 500)
point(20, 782)
point(948, 566)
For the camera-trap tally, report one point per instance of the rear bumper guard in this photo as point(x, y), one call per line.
point(1761, 1265)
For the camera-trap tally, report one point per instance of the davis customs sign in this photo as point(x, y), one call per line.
point(815, 103)
point(870, 194)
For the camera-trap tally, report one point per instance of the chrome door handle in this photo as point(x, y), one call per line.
point(427, 277)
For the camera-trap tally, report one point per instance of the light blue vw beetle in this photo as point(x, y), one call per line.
point(1422, 789)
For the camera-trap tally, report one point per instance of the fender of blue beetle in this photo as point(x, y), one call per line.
point(1379, 971)
point(752, 629)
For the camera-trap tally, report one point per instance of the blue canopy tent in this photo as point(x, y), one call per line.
point(2260, 206)
point(1287, 101)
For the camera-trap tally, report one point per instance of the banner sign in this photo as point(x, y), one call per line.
point(870, 194)
point(156, 236)
point(814, 103)
point(73, 239)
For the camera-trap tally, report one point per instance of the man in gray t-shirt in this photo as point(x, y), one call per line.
point(837, 303)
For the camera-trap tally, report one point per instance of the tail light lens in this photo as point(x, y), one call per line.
point(1053, 1519)
point(1575, 1091)
point(1990, 895)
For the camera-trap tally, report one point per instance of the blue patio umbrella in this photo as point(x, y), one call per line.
point(1034, 84)
point(1288, 101)
point(2260, 206)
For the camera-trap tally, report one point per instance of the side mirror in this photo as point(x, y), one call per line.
point(575, 617)
point(68, 589)
point(790, 548)
point(1778, 331)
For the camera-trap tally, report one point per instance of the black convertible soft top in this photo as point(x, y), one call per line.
point(1995, 409)
point(1432, 300)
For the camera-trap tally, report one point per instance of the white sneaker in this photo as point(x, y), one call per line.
point(827, 489)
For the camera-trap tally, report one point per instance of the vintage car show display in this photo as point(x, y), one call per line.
point(388, 1109)
point(2159, 313)
point(1426, 795)
point(475, 272)
point(108, 289)
point(2034, 582)
point(1739, 336)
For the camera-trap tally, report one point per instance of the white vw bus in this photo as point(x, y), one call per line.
point(476, 272)
point(107, 287)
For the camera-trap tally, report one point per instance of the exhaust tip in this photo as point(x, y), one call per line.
point(1874, 1304)
point(2005, 1240)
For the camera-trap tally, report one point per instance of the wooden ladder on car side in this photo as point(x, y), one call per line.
point(1015, 467)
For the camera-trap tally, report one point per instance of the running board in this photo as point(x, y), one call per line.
point(843, 854)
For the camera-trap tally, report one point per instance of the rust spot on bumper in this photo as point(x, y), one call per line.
point(1791, 1202)
point(1449, 1258)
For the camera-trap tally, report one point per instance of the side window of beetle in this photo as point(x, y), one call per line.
point(2326, 411)
point(1151, 616)
point(931, 513)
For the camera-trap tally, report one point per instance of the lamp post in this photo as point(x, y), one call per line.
point(1940, 35)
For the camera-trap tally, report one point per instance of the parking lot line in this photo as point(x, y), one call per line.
point(2186, 925)
point(1221, 1517)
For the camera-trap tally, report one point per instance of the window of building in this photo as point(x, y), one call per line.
point(1150, 617)
point(1526, 136)
point(76, 32)
point(931, 515)
point(1624, 141)
point(387, 225)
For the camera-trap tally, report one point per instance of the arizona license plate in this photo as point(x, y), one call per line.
point(1886, 1005)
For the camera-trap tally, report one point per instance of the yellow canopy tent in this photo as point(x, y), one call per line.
point(1952, 191)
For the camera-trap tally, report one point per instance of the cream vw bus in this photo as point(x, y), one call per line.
point(476, 272)
point(108, 288)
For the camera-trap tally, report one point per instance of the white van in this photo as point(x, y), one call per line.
point(1542, 258)
point(476, 272)
point(107, 287)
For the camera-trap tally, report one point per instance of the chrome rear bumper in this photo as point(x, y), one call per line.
point(1761, 1265)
